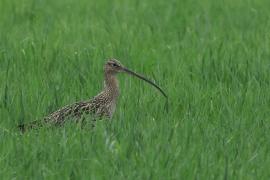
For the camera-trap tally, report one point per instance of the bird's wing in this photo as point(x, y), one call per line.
point(73, 110)
point(95, 106)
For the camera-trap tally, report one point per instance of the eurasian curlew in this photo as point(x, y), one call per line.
point(100, 106)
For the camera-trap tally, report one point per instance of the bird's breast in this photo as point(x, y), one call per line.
point(111, 108)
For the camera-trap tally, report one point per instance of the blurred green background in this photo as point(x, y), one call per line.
point(211, 57)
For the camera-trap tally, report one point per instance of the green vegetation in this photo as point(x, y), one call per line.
point(211, 57)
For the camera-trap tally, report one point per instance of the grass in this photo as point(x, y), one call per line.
point(211, 57)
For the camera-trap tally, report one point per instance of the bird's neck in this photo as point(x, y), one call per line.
point(111, 85)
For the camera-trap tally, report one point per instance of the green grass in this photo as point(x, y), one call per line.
point(211, 57)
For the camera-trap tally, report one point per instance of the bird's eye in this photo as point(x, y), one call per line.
point(114, 65)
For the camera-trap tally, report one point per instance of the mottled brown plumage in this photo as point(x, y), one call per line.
point(100, 106)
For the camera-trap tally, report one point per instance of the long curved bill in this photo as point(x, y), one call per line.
point(143, 78)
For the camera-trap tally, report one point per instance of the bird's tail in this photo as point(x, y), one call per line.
point(28, 126)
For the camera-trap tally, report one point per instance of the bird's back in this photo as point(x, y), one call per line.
point(100, 106)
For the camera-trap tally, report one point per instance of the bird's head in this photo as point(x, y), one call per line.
point(113, 67)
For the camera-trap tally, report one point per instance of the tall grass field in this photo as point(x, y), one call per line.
point(211, 57)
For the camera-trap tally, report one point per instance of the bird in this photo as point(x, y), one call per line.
point(102, 105)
